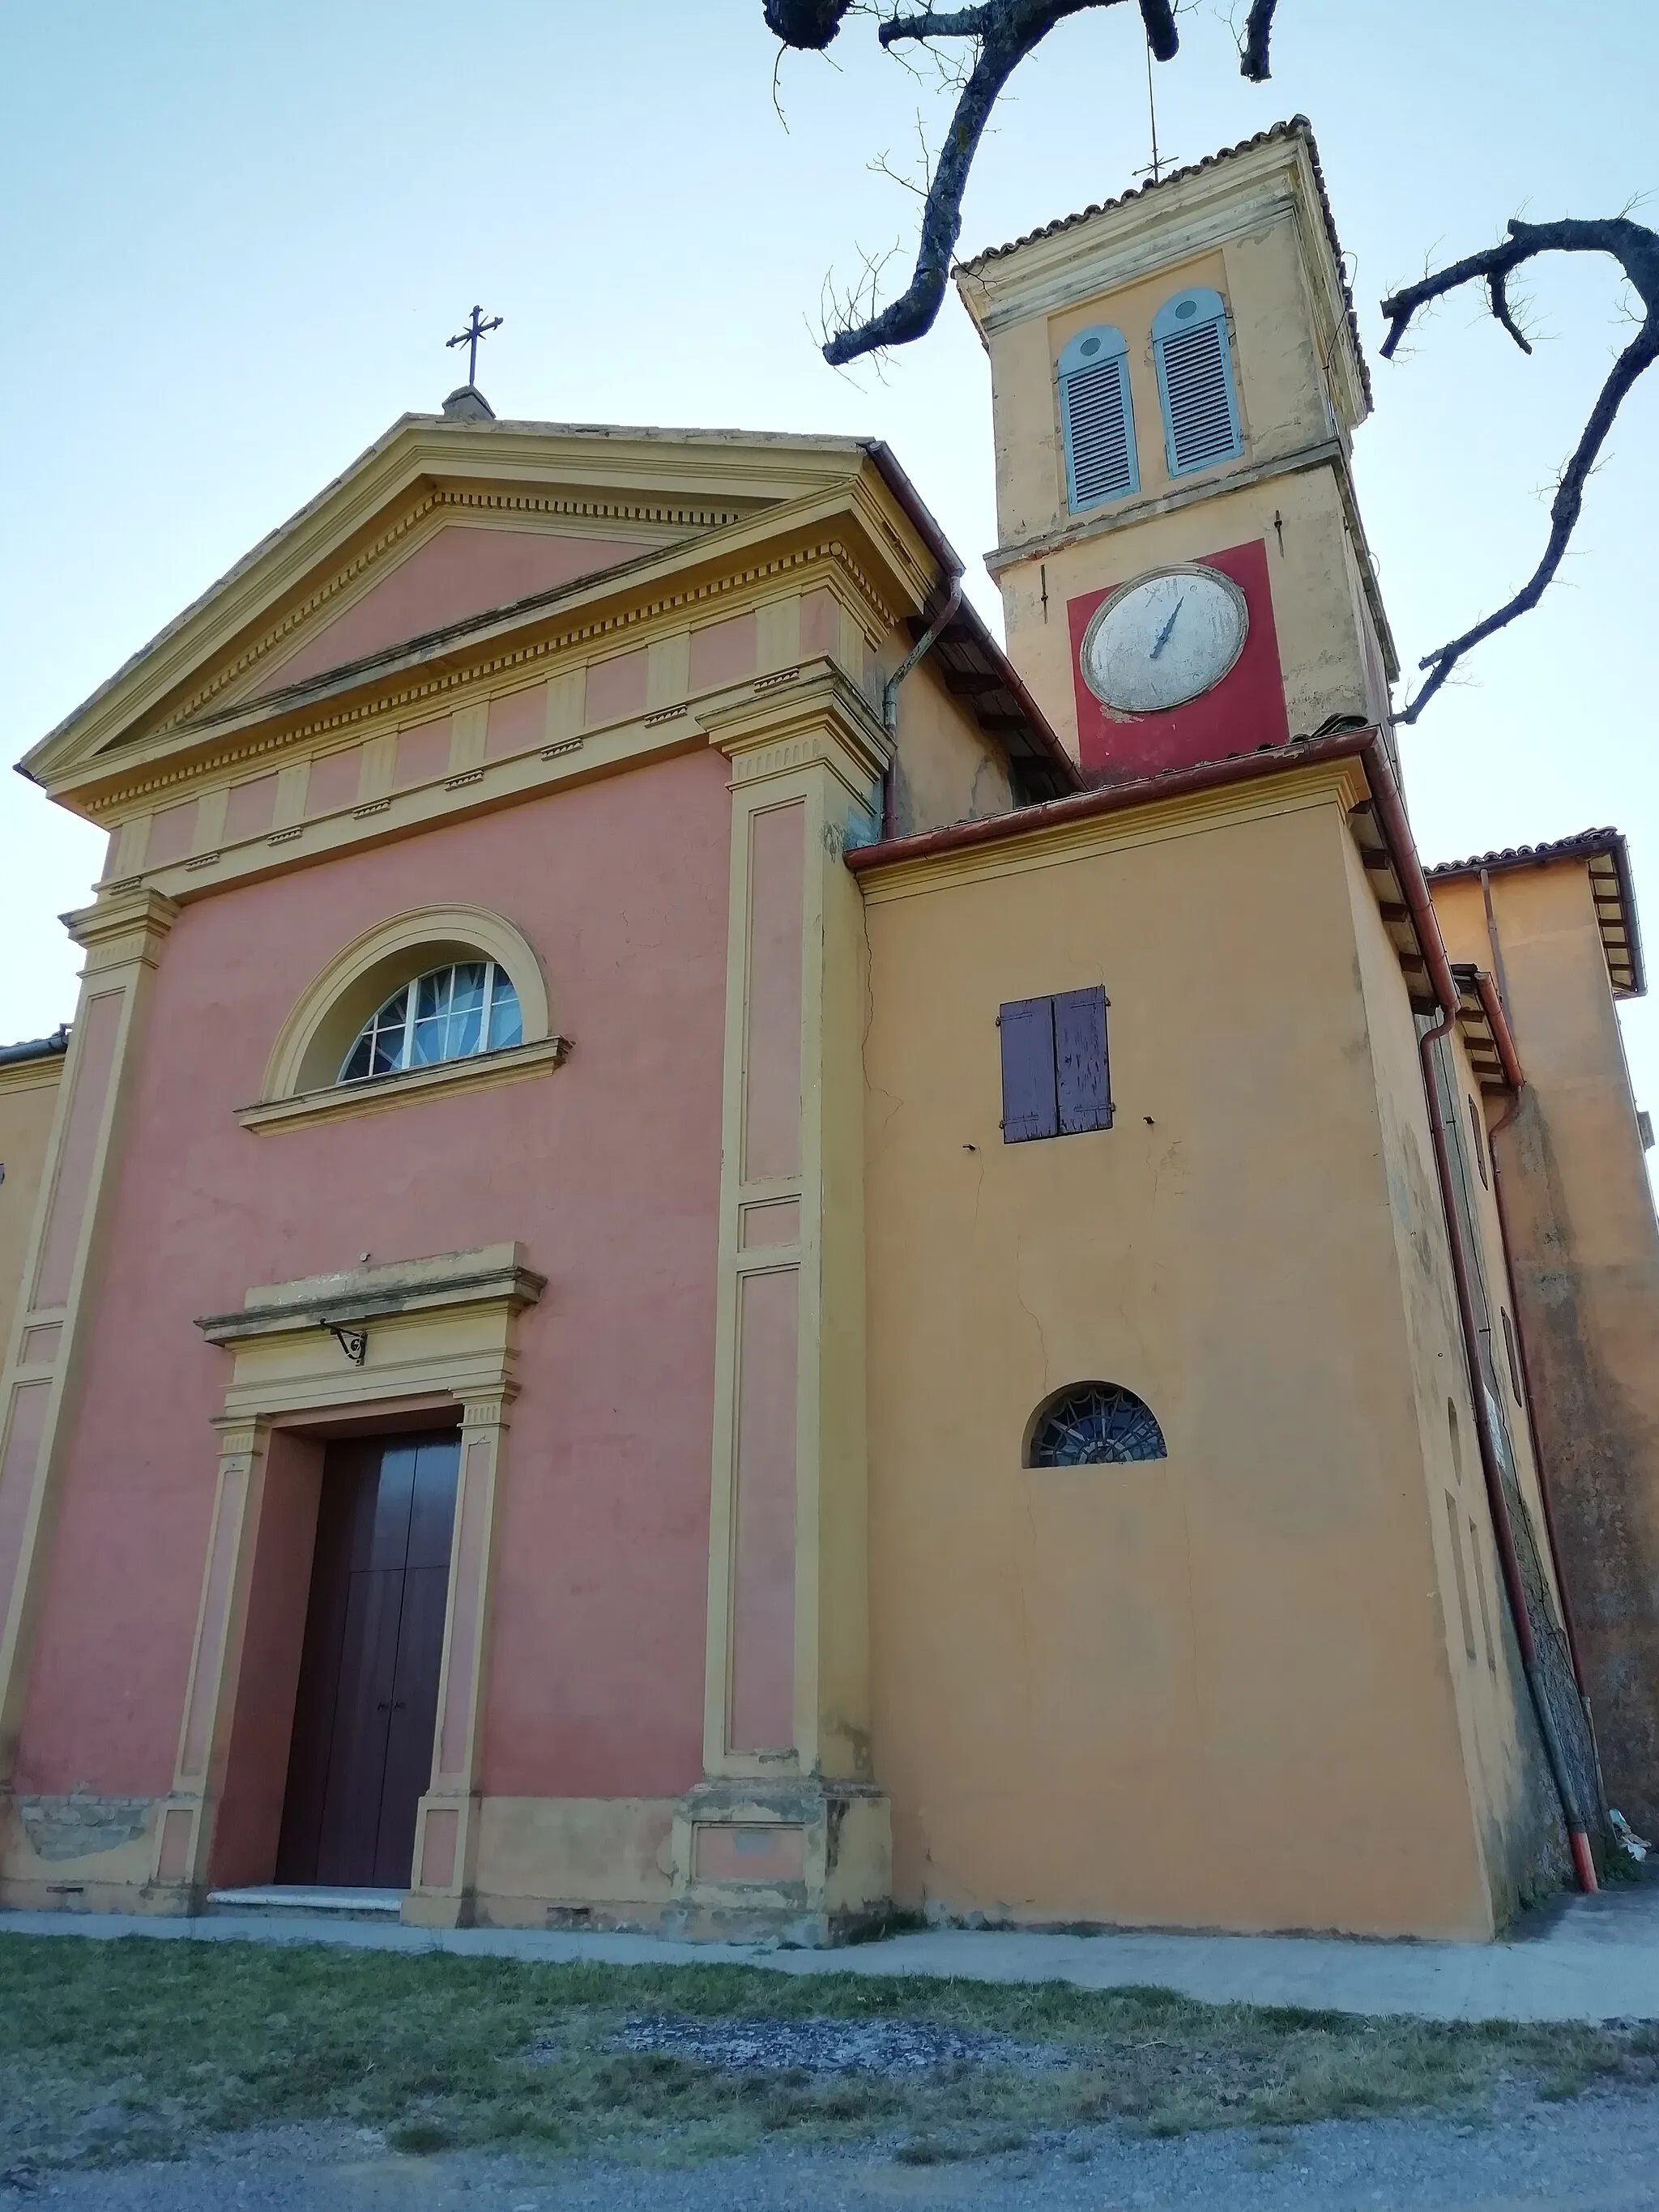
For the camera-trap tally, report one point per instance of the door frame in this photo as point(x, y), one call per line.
point(347, 1749)
point(386, 1347)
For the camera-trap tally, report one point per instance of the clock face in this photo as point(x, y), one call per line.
point(1163, 640)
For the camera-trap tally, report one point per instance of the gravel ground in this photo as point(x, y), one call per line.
point(888, 2049)
point(1595, 2154)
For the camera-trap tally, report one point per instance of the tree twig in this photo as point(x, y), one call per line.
point(1636, 249)
point(1003, 31)
point(1007, 31)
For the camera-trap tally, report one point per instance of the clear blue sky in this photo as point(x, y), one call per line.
point(236, 234)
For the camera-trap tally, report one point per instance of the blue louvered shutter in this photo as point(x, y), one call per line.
point(1082, 1083)
point(1096, 421)
point(1195, 381)
point(1030, 1107)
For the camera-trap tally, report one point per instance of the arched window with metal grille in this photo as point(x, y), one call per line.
point(1195, 381)
point(1097, 418)
point(448, 1014)
point(1093, 1425)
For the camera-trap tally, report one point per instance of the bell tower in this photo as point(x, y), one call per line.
point(1177, 378)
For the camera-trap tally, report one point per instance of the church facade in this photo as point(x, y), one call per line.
point(706, 1254)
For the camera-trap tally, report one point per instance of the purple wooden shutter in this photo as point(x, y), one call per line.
point(1083, 1088)
point(1029, 1107)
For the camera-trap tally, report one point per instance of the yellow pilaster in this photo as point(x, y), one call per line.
point(445, 1872)
point(788, 1826)
point(184, 1831)
point(122, 938)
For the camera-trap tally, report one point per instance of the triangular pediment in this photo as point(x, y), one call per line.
point(439, 529)
point(461, 569)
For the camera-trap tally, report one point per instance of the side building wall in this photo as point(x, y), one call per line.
point(29, 1099)
point(1586, 1253)
point(1216, 1688)
point(1523, 1839)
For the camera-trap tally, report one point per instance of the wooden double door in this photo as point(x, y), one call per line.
point(367, 1701)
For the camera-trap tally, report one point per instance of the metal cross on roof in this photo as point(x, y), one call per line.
point(476, 329)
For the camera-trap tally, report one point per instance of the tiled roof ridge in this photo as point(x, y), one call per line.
point(46, 1047)
point(1297, 126)
point(1581, 843)
point(1621, 932)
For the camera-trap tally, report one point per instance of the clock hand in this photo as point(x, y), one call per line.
point(1164, 635)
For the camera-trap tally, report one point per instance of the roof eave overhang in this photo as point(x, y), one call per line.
point(1606, 856)
point(856, 508)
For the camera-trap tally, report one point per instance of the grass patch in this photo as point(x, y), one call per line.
point(112, 2050)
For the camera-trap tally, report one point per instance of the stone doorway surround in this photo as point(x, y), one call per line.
point(388, 1345)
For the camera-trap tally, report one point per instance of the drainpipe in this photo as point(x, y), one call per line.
point(1505, 1052)
point(923, 645)
point(1391, 815)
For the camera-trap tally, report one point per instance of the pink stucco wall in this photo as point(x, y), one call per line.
point(608, 1172)
point(460, 571)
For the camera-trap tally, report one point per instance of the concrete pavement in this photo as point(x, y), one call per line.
point(1581, 1958)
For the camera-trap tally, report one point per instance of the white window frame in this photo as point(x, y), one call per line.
point(492, 967)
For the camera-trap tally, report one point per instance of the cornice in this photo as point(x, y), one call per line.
point(127, 927)
point(492, 1273)
point(1204, 208)
point(1328, 452)
point(812, 712)
point(693, 470)
point(1066, 268)
point(453, 683)
point(1120, 516)
point(32, 1074)
point(1340, 783)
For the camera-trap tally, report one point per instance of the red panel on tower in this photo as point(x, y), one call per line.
point(1245, 710)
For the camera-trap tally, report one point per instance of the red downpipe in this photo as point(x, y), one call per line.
point(1403, 852)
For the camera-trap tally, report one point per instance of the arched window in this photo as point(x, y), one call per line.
point(1096, 421)
point(1195, 381)
point(445, 1014)
point(1093, 1425)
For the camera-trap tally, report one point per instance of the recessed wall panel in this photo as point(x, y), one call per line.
point(763, 1562)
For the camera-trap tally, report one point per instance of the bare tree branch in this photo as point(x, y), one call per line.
point(960, 23)
point(1003, 32)
point(1636, 249)
point(1498, 290)
point(808, 24)
point(1258, 30)
point(1157, 18)
point(914, 312)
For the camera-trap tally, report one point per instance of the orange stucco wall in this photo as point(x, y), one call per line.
point(1586, 1251)
point(607, 1171)
point(1214, 1688)
point(946, 770)
point(1522, 1835)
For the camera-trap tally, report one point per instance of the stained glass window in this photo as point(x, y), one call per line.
point(447, 1014)
point(1094, 1424)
